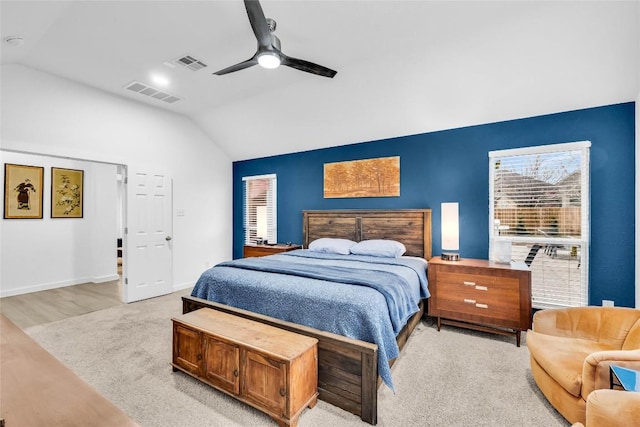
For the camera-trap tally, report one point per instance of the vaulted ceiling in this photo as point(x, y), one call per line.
point(404, 67)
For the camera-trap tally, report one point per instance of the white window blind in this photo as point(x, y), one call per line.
point(260, 219)
point(539, 201)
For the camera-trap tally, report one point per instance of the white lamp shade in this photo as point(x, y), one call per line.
point(261, 222)
point(450, 227)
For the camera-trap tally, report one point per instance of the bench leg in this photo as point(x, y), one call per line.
point(312, 403)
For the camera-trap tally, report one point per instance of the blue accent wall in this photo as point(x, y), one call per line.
point(453, 166)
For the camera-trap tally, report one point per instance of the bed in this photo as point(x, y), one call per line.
point(348, 368)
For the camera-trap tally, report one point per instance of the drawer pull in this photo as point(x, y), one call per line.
point(235, 372)
point(481, 288)
point(469, 301)
point(283, 392)
point(482, 305)
point(466, 283)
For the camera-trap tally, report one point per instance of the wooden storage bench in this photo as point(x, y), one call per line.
point(273, 370)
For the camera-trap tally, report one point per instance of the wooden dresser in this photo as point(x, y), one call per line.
point(273, 370)
point(263, 250)
point(480, 294)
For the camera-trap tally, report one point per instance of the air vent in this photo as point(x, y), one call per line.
point(147, 90)
point(190, 62)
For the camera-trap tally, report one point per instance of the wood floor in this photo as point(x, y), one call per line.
point(55, 304)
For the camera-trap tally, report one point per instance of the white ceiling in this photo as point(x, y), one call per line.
point(404, 67)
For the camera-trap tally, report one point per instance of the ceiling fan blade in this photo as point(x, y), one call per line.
point(258, 22)
point(241, 66)
point(309, 67)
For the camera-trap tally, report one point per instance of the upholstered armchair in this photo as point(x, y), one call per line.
point(612, 408)
point(572, 349)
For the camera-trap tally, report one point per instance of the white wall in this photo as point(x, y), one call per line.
point(45, 114)
point(50, 252)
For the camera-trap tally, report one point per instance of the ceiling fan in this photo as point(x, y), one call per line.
point(269, 54)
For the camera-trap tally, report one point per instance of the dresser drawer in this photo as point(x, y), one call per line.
point(478, 281)
point(506, 314)
point(491, 295)
point(464, 279)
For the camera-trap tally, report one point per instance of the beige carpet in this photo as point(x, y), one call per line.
point(448, 378)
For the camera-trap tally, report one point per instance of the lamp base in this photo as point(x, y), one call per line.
point(450, 256)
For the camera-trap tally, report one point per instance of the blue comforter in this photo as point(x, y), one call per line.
point(361, 297)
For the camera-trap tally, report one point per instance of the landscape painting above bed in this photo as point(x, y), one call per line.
point(361, 306)
point(378, 177)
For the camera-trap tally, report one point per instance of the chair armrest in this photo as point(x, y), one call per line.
point(609, 408)
point(595, 371)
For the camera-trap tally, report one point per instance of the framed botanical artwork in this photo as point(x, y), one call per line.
point(67, 189)
point(23, 191)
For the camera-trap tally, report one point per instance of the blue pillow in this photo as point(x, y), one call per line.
point(328, 245)
point(381, 248)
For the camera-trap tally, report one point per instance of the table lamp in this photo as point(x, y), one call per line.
point(450, 232)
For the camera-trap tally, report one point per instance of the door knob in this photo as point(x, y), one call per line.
point(167, 238)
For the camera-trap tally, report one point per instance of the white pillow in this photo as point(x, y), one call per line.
point(377, 247)
point(328, 245)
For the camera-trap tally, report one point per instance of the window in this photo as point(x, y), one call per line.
point(539, 201)
point(260, 209)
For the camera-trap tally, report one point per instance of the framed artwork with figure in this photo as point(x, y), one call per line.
point(67, 189)
point(23, 191)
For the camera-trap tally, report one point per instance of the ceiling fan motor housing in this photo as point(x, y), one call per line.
point(272, 24)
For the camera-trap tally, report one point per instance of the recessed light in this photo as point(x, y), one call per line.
point(14, 41)
point(160, 80)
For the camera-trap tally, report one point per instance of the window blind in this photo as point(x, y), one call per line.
point(539, 201)
point(260, 216)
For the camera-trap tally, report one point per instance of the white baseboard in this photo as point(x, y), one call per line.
point(54, 285)
point(102, 279)
point(181, 286)
point(42, 287)
point(62, 284)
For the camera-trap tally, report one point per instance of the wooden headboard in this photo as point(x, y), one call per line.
point(411, 227)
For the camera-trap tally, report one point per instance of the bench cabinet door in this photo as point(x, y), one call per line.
point(265, 382)
point(187, 348)
point(222, 364)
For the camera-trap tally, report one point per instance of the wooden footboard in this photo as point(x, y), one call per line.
point(347, 368)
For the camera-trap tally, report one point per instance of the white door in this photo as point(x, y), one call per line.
point(148, 246)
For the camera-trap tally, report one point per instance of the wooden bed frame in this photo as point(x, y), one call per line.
point(348, 368)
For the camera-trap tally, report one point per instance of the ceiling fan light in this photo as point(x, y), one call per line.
point(269, 60)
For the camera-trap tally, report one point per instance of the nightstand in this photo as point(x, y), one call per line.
point(481, 295)
point(263, 250)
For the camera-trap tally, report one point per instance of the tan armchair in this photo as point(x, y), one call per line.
point(612, 408)
point(572, 348)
